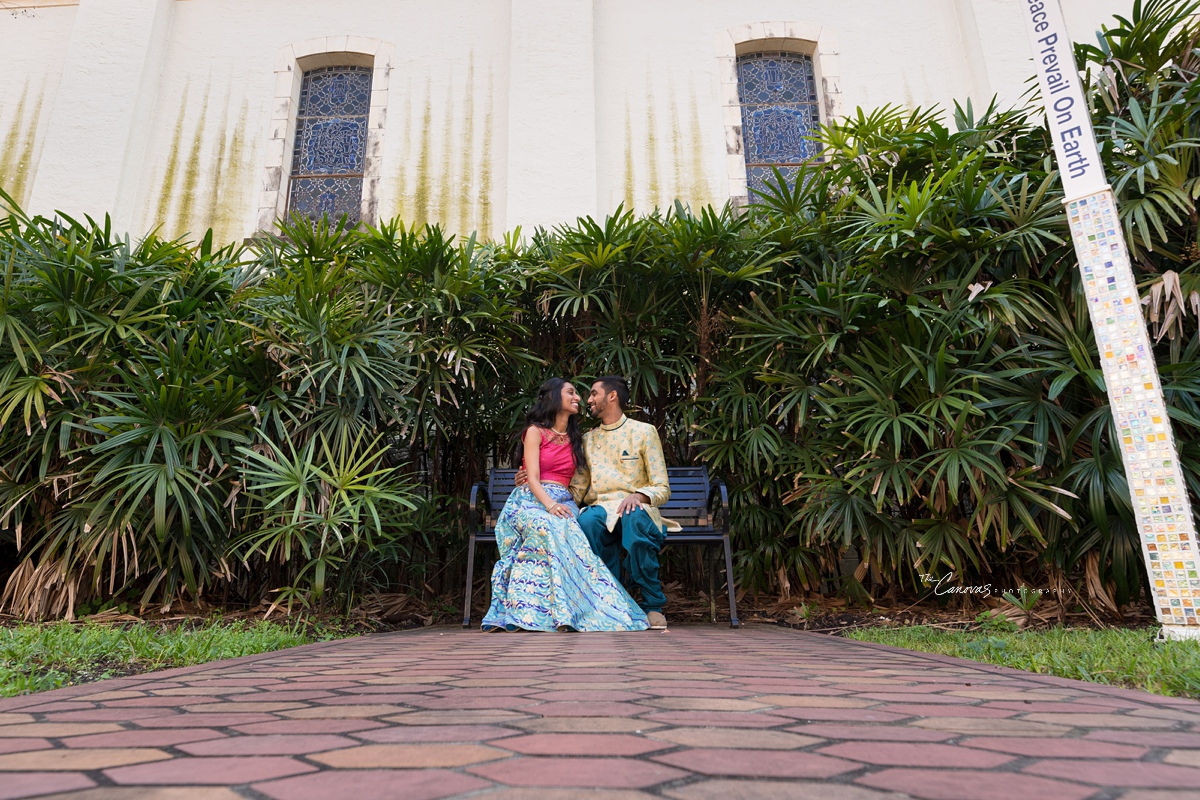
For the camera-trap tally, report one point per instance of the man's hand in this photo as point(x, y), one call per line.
point(521, 478)
point(632, 503)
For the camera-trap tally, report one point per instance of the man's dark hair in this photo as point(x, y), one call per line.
point(615, 383)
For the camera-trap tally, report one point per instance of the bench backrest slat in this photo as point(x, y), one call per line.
point(688, 504)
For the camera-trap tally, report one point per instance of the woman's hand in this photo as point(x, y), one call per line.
point(561, 511)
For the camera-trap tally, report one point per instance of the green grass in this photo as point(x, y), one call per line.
point(1119, 657)
point(34, 658)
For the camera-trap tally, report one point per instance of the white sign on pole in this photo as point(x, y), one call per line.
point(1158, 493)
point(1067, 111)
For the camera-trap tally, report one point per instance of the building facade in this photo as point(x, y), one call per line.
point(185, 115)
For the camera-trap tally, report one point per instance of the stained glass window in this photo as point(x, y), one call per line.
point(331, 143)
point(778, 95)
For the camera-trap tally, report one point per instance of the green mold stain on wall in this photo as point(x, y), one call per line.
point(218, 162)
point(229, 189)
point(701, 192)
point(167, 186)
point(466, 154)
point(207, 187)
point(652, 177)
point(421, 198)
point(12, 145)
point(18, 152)
point(676, 146)
point(445, 205)
point(27, 166)
point(185, 223)
point(485, 169)
point(403, 208)
point(629, 178)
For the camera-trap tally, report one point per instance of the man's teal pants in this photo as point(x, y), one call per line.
point(640, 538)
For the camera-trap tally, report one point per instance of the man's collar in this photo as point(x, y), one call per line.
point(615, 425)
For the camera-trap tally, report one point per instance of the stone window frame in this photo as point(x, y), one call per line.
point(293, 60)
point(803, 38)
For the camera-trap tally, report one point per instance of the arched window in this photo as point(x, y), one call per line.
point(777, 92)
point(331, 143)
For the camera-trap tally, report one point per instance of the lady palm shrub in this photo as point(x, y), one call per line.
point(151, 398)
point(889, 358)
point(925, 376)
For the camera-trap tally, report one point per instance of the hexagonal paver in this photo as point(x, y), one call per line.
point(22, 745)
point(922, 754)
point(203, 720)
point(614, 773)
point(1055, 748)
point(373, 783)
point(293, 726)
point(142, 738)
point(30, 784)
point(814, 701)
point(736, 738)
point(952, 784)
point(704, 704)
point(717, 719)
point(220, 771)
point(588, 709)
point(582, 744)
point(574, 793)
point(55, 730)
point(149, 793)
point(777, 790)
point(1148, 738)
point(757, 763)
point(412, 756)
point(1121, 773)
point(346, 711)
point(436, 733)
point(1109, 721)
point(278, 744)
point(877, 733)
point(468, 717)
point(79, 759)
point(1000, 727)
point(14, 719)
point(1185, 758)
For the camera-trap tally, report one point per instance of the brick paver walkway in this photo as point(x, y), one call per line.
point(693, 714)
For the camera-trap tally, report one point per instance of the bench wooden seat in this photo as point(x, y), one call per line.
point(698, 504)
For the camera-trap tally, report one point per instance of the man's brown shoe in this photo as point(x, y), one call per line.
point(657, 621)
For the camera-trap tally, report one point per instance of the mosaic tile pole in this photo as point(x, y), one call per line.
point(1161, 507)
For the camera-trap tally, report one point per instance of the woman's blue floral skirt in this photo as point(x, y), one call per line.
point(548, 578)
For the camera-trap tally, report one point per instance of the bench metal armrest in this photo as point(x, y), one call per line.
point(719, 496)
point(475, 521)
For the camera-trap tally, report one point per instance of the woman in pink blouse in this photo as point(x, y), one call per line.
point(547, 577)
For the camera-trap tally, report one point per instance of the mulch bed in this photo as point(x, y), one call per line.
point(383, 612)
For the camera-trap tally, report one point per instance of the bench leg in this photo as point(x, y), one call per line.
point(733, 618)
point(470, 582)
point(712, 584)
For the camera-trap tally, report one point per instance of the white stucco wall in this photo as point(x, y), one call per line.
point(444, 136)
point(498, 112)
point(33, 41)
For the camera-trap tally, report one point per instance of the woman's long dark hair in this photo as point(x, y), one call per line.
point(544, 414)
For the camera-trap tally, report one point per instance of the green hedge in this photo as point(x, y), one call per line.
point(893, 356)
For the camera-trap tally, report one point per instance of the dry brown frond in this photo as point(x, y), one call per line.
point(41, 591)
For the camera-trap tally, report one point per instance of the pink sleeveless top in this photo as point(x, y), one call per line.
point(555, 458)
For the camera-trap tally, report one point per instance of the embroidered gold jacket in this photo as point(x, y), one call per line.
point(623, 458)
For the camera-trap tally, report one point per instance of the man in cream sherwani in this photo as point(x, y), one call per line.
point(620, 489)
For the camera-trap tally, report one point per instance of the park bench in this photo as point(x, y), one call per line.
point(696, 503)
